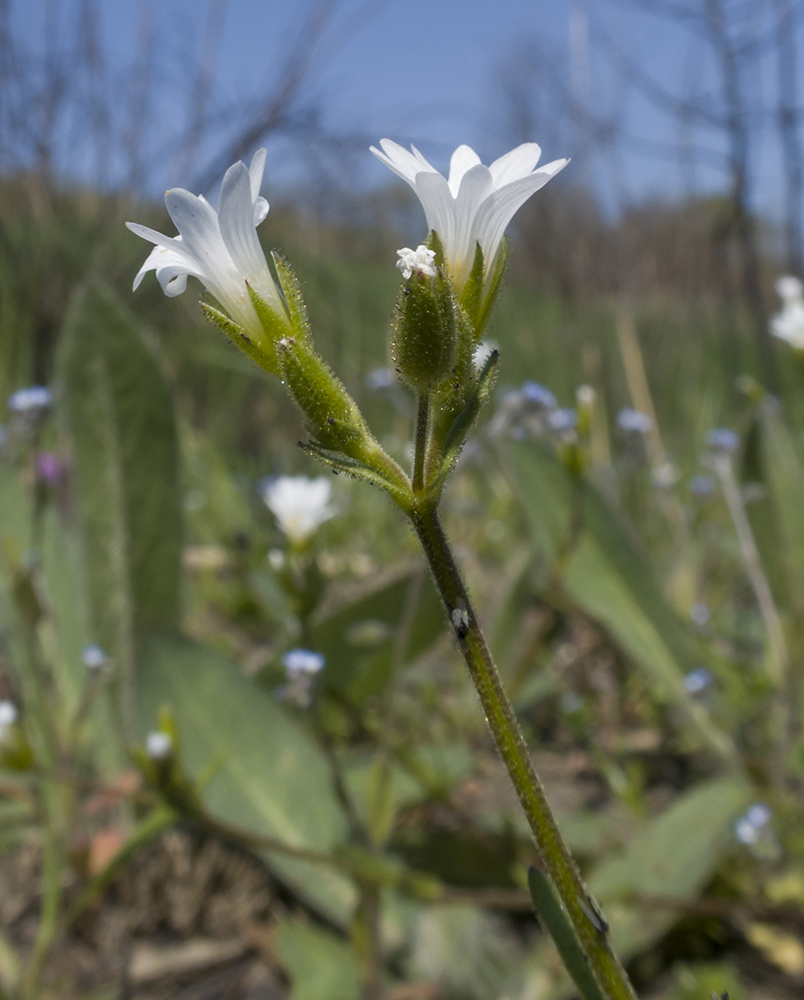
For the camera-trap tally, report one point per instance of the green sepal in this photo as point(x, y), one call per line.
point(333, 417)
point(556, 920)
point(424, 330)
point(434, 243)
point(357, 470)
point(494, 285)
point(456, 435)
point(472, 294)
point(291, 289)
point(256, 351)
point(275, 324)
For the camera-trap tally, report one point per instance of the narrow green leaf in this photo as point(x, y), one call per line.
point(784, 475)
point(554, 917)
point(603, 572)
point(672, 858)
point(116, 410)
point(389, 624)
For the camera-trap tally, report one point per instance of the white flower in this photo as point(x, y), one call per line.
point(158, 745)
point(220, 248)
point(421, 259)
point(634, 421)
point(303, 661)
point(93, 657)
point(789, 323)
point(298, 503)
point(30, 400)
point(8, 716)
point(476, 203)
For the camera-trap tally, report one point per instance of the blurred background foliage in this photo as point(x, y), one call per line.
point(369, 844)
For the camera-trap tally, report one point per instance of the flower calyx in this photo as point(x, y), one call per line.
point(426, 323)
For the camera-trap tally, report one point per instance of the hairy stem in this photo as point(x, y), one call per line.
point(422, 421)
point(581, 908)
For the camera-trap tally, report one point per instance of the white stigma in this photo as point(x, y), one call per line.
point(421, 259)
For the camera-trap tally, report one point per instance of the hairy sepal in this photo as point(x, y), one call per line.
point(425, 330)
point(291, 289)
point(472, 293)
point(260, 353)
point(458, 431)
point(493, 287)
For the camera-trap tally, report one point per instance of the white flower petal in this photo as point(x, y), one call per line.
point(236, 220)
point(476, 187)
point(463, 159)
point(398, 159)
point(425, 163)
point(497, 210)
point(169, 262)
point(151, 234)
point(255, 173)
point(518, 163)
point(439, 206)
point(476, 203)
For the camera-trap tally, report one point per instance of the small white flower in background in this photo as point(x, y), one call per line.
point(789, 323)
point(664, 476)
point(697, 681)
point(476, 203)
point(634, 421)
point(30, 401)
point(722, 440)
point(702, 486)
point(93, 657)
point(700, 614)
point(299, 504)
point(8, 716)
point(158, 745)
point(538, 395)
point(749, 827)
point(562, 420)
point(301, 667)
point(220, 248)
point(585, 396)
point(299, 662)
point(421, 259)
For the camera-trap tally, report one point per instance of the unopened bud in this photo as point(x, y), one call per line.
point(425, 330)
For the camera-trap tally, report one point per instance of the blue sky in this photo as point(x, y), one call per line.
point(427, 71)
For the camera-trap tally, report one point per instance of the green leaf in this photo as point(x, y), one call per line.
point(320, 965)
point(603, 572)
point(784, 475)
point(387, 625)
point(673, 857)
point(271, 778)
point(116, 410)
point(554, 916)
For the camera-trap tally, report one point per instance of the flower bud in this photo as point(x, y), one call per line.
point(425, 329)
point(332, 415)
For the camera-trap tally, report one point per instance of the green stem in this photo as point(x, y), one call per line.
point(154, 823)
point(579, 904)
point(51, 902)
point(422, 421)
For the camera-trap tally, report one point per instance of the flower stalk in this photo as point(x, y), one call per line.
point(583, 911)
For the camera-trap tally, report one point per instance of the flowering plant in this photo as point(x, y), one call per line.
point(450, 285)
